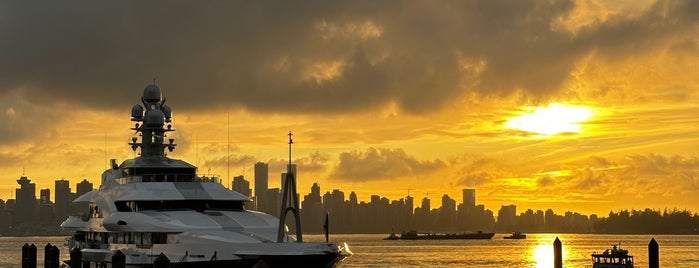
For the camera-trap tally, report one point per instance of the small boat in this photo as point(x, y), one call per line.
point(414, 235)
point(612, 258)
point(516, 235)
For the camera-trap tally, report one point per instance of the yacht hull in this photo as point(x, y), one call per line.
point(328, 260)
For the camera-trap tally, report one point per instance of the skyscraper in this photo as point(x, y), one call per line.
point(469, 198)
point(44, 196)
point(25, 206)
point(241, 185)
point(292, 168)
point(62, 198)
point(261, 180)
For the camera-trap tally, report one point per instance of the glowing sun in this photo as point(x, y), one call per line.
point(553, 119)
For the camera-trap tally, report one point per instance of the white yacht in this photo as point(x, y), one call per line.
point(153, 204)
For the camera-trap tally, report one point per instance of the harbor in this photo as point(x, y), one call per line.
point(535, 251)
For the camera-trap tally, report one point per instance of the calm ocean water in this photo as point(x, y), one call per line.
point(535, 251)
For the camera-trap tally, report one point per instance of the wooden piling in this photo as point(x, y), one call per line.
point(557, 253)
point(161, 261)
point(54, 257)
point(25, 255)
point(47, 248)
point(76, 258)
point(32, 256)
point(653, 254)
point(118, 259)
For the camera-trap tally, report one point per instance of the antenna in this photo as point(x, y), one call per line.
point(105, 149)
point(228, 146)
point(288, 168)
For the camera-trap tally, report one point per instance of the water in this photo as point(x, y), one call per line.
point(536, 251)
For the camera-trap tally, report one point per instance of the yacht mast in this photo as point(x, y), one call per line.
point(290, 201)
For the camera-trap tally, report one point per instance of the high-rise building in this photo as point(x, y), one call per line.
point(507, 217)
point(311, 208)
point(62, 197)
point(25, 206)
point(44, 196)
point(469, 198)
point(83, 187)
point(272, 201)
point(261, 184)
point(426, 204)
point(241, 185)
point(292, 168)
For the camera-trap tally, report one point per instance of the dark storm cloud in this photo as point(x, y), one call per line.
point(381, 164)
point(309, 56)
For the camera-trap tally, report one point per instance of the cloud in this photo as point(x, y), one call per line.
point(381, 164)
point(21, 119)
point(315, 162)
point(314, 56)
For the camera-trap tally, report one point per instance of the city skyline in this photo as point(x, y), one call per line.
point(592, 105)
point(29, 215)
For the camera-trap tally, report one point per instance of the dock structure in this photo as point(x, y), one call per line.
point(653, 254)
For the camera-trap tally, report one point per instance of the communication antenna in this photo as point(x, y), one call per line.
point(228, 147)
point(105, 149)
point(290, 201)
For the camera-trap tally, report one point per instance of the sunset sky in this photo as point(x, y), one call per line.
point(587, 106)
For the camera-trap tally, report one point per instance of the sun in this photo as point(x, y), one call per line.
point(550, 120)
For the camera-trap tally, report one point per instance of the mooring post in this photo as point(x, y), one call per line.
point(653, 254)
point(32, 256)
point(54, 257)
point(557, 253)
point(161, 261)
point(25, 255)
point(47, 248)
point(76, 258)
point(118, 259)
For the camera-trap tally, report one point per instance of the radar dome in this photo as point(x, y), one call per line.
point(167, 112)
point(151, 93)
point(155, 118)
point(137, 112)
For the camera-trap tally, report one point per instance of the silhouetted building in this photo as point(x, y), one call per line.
point(469, 198)
point(261, 184)
point(25, 207)
point(44, 196)
point(507, 216)
point(273, 202)
point(311, 208)
point(241, 185)
point(62, 198)
point(292, 168)
point(83, 187)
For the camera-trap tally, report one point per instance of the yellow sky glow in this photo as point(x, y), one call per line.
point(553, 119)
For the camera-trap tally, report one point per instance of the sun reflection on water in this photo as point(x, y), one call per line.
point(543, 256)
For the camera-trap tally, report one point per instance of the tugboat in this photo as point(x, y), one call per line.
point(612, 258)
point(516, 235)
point(153, 206)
